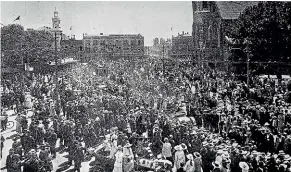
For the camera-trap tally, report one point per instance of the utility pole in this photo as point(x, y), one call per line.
point(248, 69)
point(56, 76)
point(163, 58)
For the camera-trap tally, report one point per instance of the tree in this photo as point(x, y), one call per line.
point(264, 32)
point(19, 46)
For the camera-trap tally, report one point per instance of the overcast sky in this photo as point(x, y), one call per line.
point(151, 19)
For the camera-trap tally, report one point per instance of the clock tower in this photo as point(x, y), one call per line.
point(56, 30)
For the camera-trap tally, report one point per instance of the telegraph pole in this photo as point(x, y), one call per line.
point(163, 58)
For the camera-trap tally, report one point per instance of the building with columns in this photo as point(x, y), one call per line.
point(210, 20)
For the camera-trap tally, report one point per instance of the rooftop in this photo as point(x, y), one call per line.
point(113, 35)
point(232, 9)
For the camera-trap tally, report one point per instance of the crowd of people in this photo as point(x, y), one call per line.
point(131, 111)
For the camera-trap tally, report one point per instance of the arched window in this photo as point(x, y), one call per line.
point(81, 48)
point(139, 42)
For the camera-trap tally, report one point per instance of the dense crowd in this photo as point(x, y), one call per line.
point(132, 112)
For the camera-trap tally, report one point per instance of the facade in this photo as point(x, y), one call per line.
point(210, 20)
point(161, 47)
point(182, 46)
point(72, 48)
point(114, 45)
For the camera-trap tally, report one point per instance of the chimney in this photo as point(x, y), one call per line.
point(101, 33)
point(183, 33)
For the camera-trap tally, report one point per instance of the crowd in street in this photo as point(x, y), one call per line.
point(131, 113)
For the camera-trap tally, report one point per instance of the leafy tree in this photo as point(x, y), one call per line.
point(264, 32)
point(18, 45)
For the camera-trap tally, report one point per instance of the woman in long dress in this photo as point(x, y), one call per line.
point(113, 148)
point(190, 165)
point(179, 156)
point(118, 160)
point(128, 164)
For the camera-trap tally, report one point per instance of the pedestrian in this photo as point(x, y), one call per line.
point(118, 160)
point(179, 156)
point(244, 166)
point(78, 156)
point(9, 161)
point(190, 165)
point(32, 162)
point(167, 150)
point(216, 167)
point(2, 144)
point(51, 139)
point(128, 157)
point(198, 162)
point(18, 120)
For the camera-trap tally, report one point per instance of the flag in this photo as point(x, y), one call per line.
point(17, 18)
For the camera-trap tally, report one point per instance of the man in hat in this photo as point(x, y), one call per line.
point(51, 139)
point(18, 120)
point(45, 157)
point(32, 162)
point(27, 141)
point(2, 144)
point(128, 163)
point(198, 162)
point(9, 160)
point(78, 156)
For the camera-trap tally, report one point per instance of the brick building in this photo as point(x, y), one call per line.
point(114, 45)
point(210, 20)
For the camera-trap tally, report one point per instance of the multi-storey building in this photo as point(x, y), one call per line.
point(182, 46)
point(117, 45)
point(211, 19)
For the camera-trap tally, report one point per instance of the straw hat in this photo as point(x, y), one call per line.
point(220, 151)
point(244, 166)
point(287, 158)
point(216, 164)
point(183, 145)
point(127, 145)
point(190, 156)
point(197, 155)
point(178, 148)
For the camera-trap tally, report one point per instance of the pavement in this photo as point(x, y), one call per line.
point(59, 163)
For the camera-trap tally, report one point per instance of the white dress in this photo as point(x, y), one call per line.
point(113, 148)
point(179, 158)
point(28, 102)
point(118, 162)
